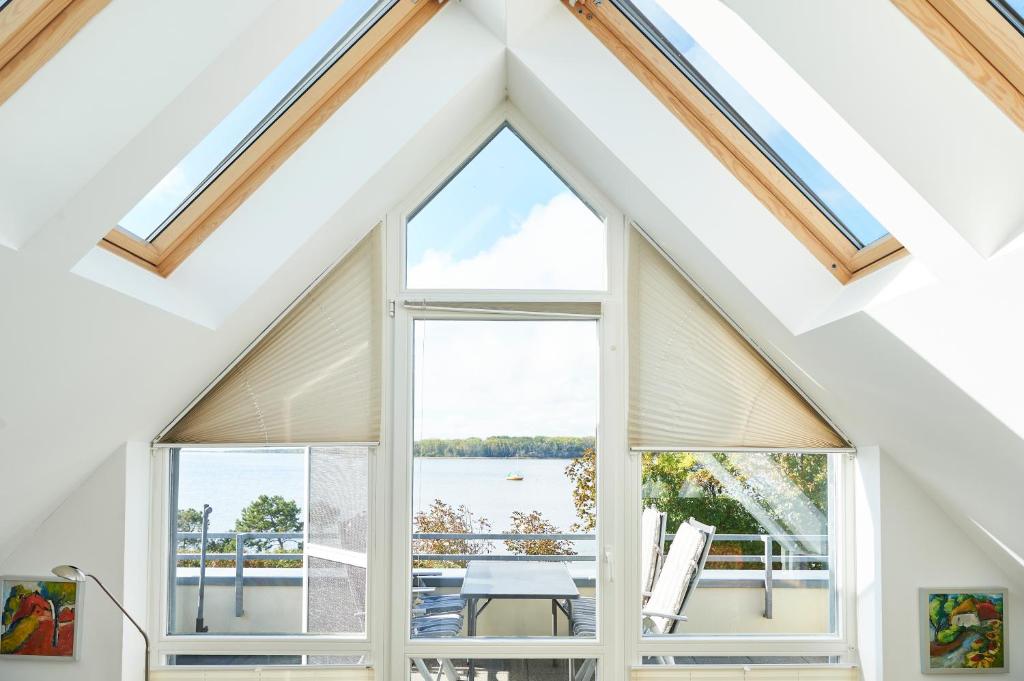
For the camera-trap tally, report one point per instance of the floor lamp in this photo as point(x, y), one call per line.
point(73, 574)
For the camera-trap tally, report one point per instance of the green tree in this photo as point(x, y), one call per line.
point(270, 514)
point(582, 473)
point(683, 484)
point(444, 518)
point(506, 446)
point(191, 520)
point(534, 522)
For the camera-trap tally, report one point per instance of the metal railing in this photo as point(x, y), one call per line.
point(788, 558)
point(240, 556)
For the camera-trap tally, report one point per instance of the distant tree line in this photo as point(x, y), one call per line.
point(506, 447)
point(263, 514)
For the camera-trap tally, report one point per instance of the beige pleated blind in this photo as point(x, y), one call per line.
point(313, 377)
point(694, 381)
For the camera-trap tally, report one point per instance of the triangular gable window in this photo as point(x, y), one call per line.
point(695, 382)
point(505, 220)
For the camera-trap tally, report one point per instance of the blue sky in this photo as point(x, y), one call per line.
point(852, 214)
point(147, 215)
point(1017, 6)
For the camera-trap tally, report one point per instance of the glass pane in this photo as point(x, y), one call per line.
point(664, 22)
point(1012, 10)
point(505, 220)
point(504, 471)
point(772, 514)
point(254, 501)
point(250, 118)
point(338, 534)
point(427, 669)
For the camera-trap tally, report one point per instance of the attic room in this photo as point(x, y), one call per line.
point(511, 340)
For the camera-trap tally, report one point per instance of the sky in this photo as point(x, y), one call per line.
point(484, 378)
point(1017, 6)
point(506, 221)
point(665, 16)
point(161, 201)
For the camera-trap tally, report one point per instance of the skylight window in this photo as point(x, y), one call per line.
point(252, 117)
point(660, 21)
point(505, 220)
point(1012, 10)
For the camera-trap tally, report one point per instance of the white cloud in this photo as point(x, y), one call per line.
point(560, 245)
point(482, 378)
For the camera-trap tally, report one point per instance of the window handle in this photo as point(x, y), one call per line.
point(609, 561)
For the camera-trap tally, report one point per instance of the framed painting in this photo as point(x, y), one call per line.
point(963, 631)
point(40, 618)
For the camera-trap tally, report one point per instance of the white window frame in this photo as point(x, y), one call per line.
point(164, 644)
point(608, 647)
point(840, 644)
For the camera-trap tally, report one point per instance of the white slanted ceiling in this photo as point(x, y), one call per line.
point(921, 359)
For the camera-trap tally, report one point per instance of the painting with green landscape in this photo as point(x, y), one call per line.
point(963, 631)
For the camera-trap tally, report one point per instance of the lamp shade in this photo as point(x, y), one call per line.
point(69, 572)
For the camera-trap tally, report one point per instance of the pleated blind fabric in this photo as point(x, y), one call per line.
point(694, 381)
point(314, 377)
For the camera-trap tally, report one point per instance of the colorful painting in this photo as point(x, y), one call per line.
point(40, 617)
point(963, 631)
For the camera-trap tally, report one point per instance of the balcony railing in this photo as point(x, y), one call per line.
point(788, 558)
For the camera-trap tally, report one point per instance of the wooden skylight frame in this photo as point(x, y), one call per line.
point(732, 148)
point(32, 31)
point(272, 148)
point(982, 44)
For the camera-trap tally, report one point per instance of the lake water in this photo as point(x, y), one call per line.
point(229, 481)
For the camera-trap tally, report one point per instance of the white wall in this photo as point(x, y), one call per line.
point(922, 546)
point(89, 530)
point(867, 500)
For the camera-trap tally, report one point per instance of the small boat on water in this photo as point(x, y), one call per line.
point(514, 476)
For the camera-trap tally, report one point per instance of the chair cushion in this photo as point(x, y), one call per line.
point(675, 577)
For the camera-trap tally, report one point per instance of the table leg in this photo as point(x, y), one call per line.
point(471, 630)
point(554, 617)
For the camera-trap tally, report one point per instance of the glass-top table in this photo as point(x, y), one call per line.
point(488, 580)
